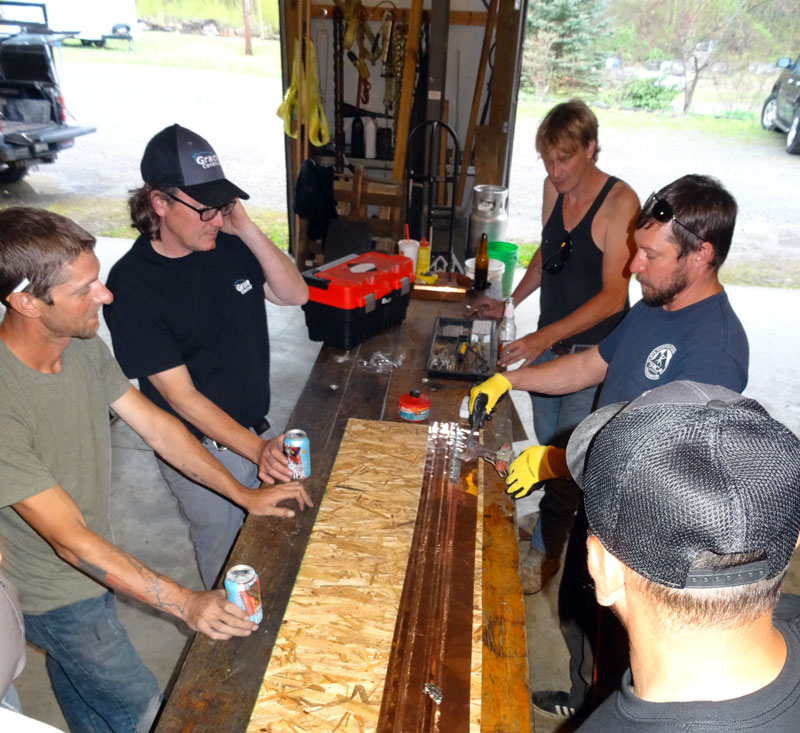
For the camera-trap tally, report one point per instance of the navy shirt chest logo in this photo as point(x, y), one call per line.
point(658, 361)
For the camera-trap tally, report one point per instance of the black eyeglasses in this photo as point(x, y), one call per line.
point(208, 213)
point(554, 263)
point(661, 211)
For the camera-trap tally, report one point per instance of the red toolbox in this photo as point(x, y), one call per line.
point(356, 297)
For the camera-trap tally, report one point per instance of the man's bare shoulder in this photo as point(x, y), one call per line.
point(613, 225)
point(621, 199)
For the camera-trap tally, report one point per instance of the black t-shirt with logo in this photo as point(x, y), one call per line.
point(205, 310)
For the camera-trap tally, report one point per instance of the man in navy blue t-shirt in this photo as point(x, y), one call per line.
point(683, 329)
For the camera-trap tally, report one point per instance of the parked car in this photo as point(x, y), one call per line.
point(781, 110)
point(33, 114)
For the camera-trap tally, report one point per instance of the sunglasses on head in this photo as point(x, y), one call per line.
point(554, 263)
point(661, 211)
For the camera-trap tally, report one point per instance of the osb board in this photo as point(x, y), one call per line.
point(329, 663)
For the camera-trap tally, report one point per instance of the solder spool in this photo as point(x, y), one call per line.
point(414, 406)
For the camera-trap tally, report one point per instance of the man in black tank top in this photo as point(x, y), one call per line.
point(581, 270)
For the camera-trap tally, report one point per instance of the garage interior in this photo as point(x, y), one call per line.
point(478, 100)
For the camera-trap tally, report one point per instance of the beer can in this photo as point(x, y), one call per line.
point(298, 451)
point(244, 589)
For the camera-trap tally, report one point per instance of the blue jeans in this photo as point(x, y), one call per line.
point(11, 700)
point(98, 678)
point(554, 419)
point(214, 521)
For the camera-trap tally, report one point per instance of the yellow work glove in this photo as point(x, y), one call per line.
point(494, 388)
point(534, 465)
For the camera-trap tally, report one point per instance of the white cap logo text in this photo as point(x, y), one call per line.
point(206, 160)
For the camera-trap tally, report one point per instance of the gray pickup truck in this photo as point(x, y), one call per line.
point(33, 116)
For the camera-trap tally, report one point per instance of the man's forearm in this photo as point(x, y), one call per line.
point(168, 437)
point(120, 571)
point(213, 422)
point(564, 375)
point(284, 280)
point(183, 451)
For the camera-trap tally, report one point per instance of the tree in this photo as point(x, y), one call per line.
point(562, 37)
point(698, 33)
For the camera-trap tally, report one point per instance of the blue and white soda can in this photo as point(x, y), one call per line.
point(243, 588)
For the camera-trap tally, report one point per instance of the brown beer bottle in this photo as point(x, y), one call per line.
point(481, 281)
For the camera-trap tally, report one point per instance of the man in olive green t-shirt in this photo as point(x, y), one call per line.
point(57, 384)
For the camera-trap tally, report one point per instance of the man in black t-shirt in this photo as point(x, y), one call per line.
point(691, 498)
point(189, 321)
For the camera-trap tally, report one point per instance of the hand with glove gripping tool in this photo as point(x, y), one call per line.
point(535, 464)
point(490, 391)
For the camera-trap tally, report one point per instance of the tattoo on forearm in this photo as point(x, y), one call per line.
point(193, 475)
point(157, 592)
point(92, 571)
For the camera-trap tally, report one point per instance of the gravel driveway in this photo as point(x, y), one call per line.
point(760, 176)
point(129, 103)
point(236, 112)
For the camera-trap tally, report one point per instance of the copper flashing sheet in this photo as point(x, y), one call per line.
point(428, 679)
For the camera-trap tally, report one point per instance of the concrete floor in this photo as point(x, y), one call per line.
point(146, 521)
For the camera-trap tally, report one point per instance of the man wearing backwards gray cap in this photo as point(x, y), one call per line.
point(188, 321)
point(692, 495)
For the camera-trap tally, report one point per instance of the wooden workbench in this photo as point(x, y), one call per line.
point(219, 682)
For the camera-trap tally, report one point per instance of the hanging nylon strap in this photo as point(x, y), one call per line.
point(317, 123)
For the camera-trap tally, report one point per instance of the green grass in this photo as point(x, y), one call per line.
point(742, 126)
point(764, 272)
point(227, 14)
point(273, 223)
point(526, 253)
point(108, 217)
point(158, 48)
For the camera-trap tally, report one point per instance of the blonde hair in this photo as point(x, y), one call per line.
point(567, 127)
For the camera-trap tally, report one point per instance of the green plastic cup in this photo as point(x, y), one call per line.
point(507, 253)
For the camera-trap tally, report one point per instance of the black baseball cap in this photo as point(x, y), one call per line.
point(181, 158)
point(689, 468)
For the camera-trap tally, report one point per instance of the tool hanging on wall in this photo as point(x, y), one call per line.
point(398, 55)
point(387, 68)
point(323, 44)
point(376, 49)
point(362, 93)
point(338, 86)
point(371, 47)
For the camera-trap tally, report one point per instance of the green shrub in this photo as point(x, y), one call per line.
point(646, 94)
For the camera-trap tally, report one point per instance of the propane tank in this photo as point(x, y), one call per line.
point(489, 215)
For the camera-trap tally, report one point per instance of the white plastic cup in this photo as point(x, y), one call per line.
point(409, 248)
point(496, 270)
